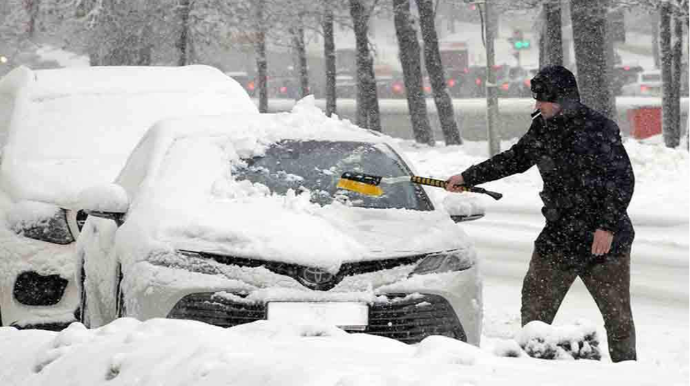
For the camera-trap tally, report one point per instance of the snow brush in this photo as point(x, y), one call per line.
point(369, 184)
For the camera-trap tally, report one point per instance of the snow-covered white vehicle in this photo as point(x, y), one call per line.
point(229, 220)
point(61, 131)
point(648, 83)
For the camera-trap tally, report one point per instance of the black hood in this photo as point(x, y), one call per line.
point(555, 84)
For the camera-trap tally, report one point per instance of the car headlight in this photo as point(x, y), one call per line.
point(452, 261)
point(40, 221)
point(33, 289)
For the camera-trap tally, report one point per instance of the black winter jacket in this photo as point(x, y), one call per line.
point(587, 175)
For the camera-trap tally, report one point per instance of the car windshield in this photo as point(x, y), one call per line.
point(317, 166)
point(651, 77)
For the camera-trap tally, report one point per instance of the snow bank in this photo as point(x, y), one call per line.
point(576, 341)
point(177, 352)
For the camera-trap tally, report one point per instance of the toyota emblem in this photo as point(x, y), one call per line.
point(315, 277)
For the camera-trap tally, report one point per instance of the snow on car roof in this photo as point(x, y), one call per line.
point(73, 128)
point(114, 79)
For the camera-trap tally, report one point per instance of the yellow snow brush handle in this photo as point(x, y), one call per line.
point(370, 185)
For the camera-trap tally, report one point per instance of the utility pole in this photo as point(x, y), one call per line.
point(491, 91)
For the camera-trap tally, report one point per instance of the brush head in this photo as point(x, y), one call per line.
point(359, 187)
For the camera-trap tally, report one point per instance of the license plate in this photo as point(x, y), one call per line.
point(346, 315)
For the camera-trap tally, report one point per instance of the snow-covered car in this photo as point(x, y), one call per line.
point(64, 130)
point(648, 83)
point(230, 220)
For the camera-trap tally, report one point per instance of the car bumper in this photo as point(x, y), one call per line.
point(22, 255)
point(400, 307)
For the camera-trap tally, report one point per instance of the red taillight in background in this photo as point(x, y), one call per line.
point(427, 89)
point(283, 90)
point(527, 83)
point(626, 68)
point(451, 82)
point(478, 81)
point(250, 86)
point(505, 86)
point(466, 70)
point(397, 88)
point(644, 88)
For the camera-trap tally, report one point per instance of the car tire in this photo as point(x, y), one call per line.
point(120, 309)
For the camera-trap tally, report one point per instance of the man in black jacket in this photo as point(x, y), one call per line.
point(588, 184)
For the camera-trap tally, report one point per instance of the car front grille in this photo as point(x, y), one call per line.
point(217, 310)
point(403, 317)
point(296, 271)
point(410, 319)
point(34, 289)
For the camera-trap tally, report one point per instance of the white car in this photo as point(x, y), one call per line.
point(62, 131)
point(648, 83)
point(230, 220)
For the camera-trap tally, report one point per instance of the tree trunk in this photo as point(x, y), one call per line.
point(611, 64)
point(184, 8)
point(589, 35)
point(261, 62)
point(367, 100)
point(671, 138)
point(408, 49)
point(32, 8)
point(554, 38)
point(543, 56)
point(301, 53)
point(676, 70)
point(655, 39)
point(490, 84)
point(687, 80)
point(329, 55)
point(437, 78)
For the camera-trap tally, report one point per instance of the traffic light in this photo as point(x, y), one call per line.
point(518, 41)
point(521, 44)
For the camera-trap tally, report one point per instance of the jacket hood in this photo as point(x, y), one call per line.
point(555, 84)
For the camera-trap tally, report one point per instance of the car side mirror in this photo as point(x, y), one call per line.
point(109, 201)
point(462, 208)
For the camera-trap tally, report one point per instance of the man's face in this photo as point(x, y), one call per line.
point(548, 109)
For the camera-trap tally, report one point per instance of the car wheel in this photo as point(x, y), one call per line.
point(120, 309)
point(83, 310)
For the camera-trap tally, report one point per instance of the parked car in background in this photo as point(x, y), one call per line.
point(345, 85)
point(647, 83)
point(61, 131)
point(623, 75)
point(245, 80)
point(240, 219)
point(517, 83)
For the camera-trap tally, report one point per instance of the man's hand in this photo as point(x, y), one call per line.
point(602, 242)
point(453, 181)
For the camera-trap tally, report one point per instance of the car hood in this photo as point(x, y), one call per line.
point(295, 231)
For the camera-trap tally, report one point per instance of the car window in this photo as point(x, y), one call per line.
point(651, 77)
point(318, 165)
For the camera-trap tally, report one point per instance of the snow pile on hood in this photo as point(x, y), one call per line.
point(188, 197)
point(177, 352)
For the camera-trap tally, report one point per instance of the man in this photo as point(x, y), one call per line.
point(588, 184)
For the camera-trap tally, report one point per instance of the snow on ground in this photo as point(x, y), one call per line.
point(174, 352)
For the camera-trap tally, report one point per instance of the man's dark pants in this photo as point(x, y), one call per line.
point(547, 282)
